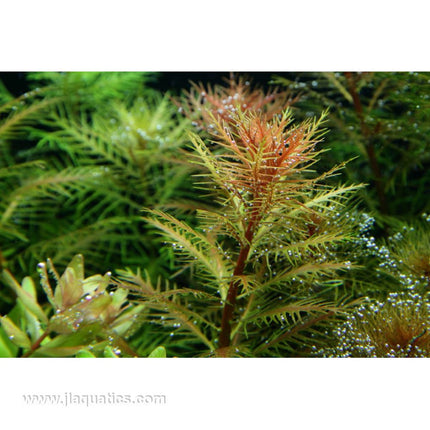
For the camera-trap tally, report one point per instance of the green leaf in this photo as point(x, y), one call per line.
point(27, 294)
point(159, 352)
point(7, 348)
point(77, 264)
point(69, 290)
point(109, 353)
point(96, 282)
point(15, 334)
point(68, 345)
point(84, 353)
point(194, 245)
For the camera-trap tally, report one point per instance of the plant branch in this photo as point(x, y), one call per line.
point(36, 344)
point(294, 330)
point(370, 148)
point(230, 303)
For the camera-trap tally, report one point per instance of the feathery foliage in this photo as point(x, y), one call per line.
point(80, 157)
point(253, 240)
point(381, 119)
point(264, 244)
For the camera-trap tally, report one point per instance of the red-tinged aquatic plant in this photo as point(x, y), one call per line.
point(202, 104)
point(261, 169)
point(271, 239)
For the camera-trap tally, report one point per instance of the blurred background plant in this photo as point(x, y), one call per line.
point(80, 155)
point(381, 119)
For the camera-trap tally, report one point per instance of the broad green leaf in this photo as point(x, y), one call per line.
point(69, 290)
point(67, 345)
point(66, 351)
point(15, 334)
point(96, 282)
point(77, 264)
point(126, 320)
point(84, 353)
point(159, 352)
point(7, 348)
point(27, 294)
point(109, 353)
point(28, 286)
point(33, 325)
point(118, 298)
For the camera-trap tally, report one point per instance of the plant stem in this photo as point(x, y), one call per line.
point(370, 148)
point(230, 303)
point(224, 337)
point(36, 344)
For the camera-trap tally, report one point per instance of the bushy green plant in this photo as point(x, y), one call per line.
point(395, 327)
point(393, 324)
point(380, 118)
point(79, 159)
point(80, 312)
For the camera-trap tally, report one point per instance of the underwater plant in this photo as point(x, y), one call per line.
point(79, 158)
point(395, 327)
point(251, 243)
point(264, 249)
point(381, 120)
point(393, 324)
point(80, 313)
point(202, 104)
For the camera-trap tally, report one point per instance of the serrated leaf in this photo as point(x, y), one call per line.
point(195, 245)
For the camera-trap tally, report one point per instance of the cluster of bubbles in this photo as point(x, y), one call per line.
point(396, 327)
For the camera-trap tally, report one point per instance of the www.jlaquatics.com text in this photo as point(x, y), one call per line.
point(69, 399)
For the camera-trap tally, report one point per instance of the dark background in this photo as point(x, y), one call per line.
point(17, 84)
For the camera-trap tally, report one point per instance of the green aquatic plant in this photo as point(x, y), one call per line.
point(393, 324)
point(395, 327)
point(79, 159)
point(80, 313)
point(250, 245)
point(381, 119)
